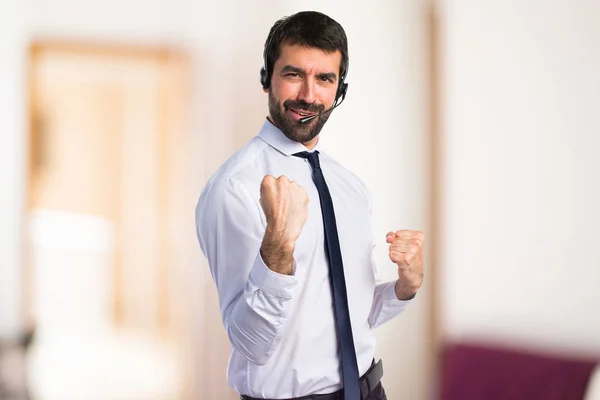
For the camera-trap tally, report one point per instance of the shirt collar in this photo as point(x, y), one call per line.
point(273, 136)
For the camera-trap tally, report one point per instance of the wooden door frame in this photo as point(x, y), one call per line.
point(173, 60)
point(434, 236)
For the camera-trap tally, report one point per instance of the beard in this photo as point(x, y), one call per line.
point(293, 129)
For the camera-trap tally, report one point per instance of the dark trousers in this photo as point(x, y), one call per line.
point(376, 390)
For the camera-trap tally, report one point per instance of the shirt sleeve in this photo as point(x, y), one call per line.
point(253, 299)
point(385, 304)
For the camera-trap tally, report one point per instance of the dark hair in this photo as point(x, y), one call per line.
point(306, 28)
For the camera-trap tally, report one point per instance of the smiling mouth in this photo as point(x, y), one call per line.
point(302, 113)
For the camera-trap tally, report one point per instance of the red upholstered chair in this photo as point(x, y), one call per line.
point(478, 372)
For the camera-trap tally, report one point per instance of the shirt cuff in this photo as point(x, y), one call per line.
point(272, 282)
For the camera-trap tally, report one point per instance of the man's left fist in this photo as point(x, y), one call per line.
point(406, 250)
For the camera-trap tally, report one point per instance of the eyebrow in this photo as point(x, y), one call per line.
point(290, 68)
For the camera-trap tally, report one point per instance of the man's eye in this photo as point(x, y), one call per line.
point(293, 74)
point(325, 79)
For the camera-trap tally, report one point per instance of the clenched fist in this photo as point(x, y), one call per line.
point(285, 204)
point(406, 250)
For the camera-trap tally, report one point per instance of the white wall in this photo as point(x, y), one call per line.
point(521, 173)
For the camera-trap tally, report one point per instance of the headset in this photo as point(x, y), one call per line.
point(265, 77)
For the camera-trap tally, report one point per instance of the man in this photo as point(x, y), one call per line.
point(286, 231)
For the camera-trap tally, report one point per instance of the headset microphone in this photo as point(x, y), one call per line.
point(307, 119)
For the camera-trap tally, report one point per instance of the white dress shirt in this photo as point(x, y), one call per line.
point(282, 327)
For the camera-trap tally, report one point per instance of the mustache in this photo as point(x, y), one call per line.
point(300, 105)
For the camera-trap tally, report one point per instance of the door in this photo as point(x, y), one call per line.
point(108, 147)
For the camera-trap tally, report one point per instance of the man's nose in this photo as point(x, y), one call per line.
point(307, 91)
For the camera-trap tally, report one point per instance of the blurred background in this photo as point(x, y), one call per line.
point(474, 121)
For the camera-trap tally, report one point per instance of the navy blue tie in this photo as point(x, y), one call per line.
point(338, 282)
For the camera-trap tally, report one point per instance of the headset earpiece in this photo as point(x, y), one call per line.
point(342, 89)
point(264, 78)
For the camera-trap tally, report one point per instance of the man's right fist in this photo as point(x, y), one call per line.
point(285, 204)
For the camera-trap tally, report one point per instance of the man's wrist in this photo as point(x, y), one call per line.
point(403, 292)
point(277, 253)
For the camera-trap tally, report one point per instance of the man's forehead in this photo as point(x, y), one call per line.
point(297, 54)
